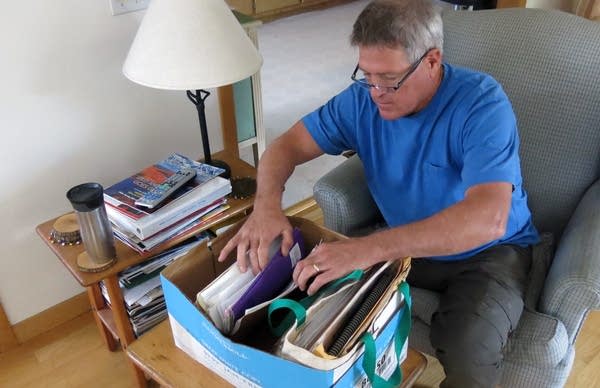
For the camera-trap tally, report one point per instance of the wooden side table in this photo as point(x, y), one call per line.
point(156, 354)
point(112, 320)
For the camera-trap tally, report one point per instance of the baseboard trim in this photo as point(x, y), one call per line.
point(301, 207)
point(51, 317)
point(7, 336)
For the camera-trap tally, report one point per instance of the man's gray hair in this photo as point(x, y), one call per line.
point(414, 25)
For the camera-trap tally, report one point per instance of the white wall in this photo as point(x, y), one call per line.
point(67, 116)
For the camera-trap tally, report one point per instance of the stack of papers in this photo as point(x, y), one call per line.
point(172, 232)
point(230, 296)
point(141, 287)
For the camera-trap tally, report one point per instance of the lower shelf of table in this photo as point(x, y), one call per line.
point(107, 318)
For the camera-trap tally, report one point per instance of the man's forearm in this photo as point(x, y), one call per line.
point(464, 226)
point(273, 171)
point(278, 162)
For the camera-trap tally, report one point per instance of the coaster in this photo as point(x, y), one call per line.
point(65, 230)
point(86, 264)
point(243, 187)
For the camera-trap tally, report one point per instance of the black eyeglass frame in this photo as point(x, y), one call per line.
point(389, 89)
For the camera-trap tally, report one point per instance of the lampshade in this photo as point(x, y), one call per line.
point(190, 45)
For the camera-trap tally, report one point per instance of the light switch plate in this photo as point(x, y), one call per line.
point(118, 7)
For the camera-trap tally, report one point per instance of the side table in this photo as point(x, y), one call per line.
point(112, 320)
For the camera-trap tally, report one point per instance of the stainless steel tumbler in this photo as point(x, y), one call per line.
point(96, 232)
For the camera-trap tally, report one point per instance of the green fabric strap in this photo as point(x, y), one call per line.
point(298, 309)
point(400, 338)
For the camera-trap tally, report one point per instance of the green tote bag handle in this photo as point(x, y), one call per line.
point(370, 355)
point(298, 309)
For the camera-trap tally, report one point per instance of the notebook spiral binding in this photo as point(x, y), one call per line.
point(365, 307)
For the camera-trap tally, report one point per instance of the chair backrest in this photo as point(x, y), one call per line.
point(548, 62)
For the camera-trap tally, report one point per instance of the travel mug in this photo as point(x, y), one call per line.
point(96, 232)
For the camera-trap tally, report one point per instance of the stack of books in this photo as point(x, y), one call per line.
point(141, 288)
point(190, 206)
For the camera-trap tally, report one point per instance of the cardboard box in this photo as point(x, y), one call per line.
point(245, 364)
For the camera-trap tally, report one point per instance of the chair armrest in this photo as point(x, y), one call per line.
point(344, 197)
point(572, 286)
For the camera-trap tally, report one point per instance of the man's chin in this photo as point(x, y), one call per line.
point(388, 114)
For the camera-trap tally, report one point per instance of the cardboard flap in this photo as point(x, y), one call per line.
point(193, 273)
point(218, 243)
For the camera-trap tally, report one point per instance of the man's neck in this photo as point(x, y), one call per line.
point(435, 85)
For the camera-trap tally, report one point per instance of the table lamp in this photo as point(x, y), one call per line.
point(191, 45)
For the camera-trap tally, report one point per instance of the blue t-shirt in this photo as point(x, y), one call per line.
point(420, 164)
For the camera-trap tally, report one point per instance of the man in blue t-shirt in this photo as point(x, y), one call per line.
point(440, 147)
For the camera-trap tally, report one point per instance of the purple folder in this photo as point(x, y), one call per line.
point(272, 280)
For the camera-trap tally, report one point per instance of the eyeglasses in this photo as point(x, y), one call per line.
point(360, 79)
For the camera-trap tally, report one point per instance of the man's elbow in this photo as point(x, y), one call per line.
point(496, 229)
point(497, 232)
point(490, 207)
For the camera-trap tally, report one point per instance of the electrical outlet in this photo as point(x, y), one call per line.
point(118, 7)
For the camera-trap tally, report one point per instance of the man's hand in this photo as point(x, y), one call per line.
point(331, 261)
point(267, 220)
point(255, 236)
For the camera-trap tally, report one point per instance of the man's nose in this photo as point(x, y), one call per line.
point(377, 92)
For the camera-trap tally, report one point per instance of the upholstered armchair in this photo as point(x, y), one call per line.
point(549, 65)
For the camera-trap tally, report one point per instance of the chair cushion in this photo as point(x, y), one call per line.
point(419, 337)
point(517, 374)
point(541, 258)
point(425, 303)
point(539, 339)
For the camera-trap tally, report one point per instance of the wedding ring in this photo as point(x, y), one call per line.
point(316, 268)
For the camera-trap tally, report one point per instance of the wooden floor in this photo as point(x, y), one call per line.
point(74, 355)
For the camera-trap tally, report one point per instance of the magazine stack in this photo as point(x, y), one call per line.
point(142, 290)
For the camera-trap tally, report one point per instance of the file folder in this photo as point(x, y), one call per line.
point(271, 280)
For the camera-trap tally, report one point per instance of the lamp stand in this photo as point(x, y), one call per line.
point(198, 100)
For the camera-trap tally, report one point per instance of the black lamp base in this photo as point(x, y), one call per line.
point(243, 187)
point(223, 165)
point(198, 100)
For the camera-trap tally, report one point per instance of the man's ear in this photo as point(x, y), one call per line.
point(433, 58)
point(433, 62)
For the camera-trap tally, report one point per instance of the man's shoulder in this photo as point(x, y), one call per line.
point(469, 82)
point(459, 76)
